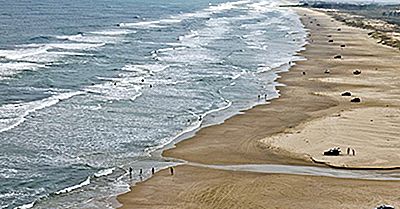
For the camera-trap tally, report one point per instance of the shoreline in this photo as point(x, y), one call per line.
point(239, 141)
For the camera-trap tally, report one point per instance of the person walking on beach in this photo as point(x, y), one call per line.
point(140, 172)
point(348, 150)
point(130, 172)
point(171, 170)
point(354, 152)
point(153, 171)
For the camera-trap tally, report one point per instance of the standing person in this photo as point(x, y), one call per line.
point(130, 172)
point(171, 170)
point(153, 171)
point(140, 172)
point(348, 150)
point(354, 151)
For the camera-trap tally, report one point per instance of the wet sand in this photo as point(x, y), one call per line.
point(309, 117)
point(194, 187)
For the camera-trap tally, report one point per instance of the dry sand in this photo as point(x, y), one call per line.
point(372, 132)
point(293, 128)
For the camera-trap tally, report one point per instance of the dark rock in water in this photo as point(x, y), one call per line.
point(356, 100)
point(329, 36)
point(339, 29)
point(346, 94)
point(304, 73)
point(343, 45)
point(357, 72)
point(330, 41)
point(327, 71)
point(318, 24)
point(338, 56)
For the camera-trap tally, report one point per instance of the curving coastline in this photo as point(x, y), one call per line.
point(289, 131)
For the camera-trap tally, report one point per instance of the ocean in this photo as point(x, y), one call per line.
point(90, 88)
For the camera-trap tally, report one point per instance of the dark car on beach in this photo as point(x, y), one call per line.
point(333, 151)
point(385, 207)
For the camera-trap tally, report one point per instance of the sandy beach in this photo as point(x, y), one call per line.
point(310, 117)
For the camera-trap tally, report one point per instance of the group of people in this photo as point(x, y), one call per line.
point(153, 171)
point(351, 150)
point(265, 97)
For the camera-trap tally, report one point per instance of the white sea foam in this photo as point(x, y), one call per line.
point(113, 32)
point(68, 46)
point(104, 172)
point(118, 89)
point(90, 38)
point(22, 53)
point(192, 127)
point(145, 69)
point(128, 85)
point(12, 115)
point(179, 18)
point(41, 53)
point(145, 24)
point(12, 68)
point(227, 6)
point(26, 206)
point(35, 56)
point(75, 187)
point(190, 35)
point(191, 15)
point(193, 44)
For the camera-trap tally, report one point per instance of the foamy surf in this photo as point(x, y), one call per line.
point(11, 68)
point(15, 114)
point(104, 172)
point(113, 32)
point(38, 56)
point(144, 84)
point(74, 187)
point(226, 6)
point(145, 69)
point(213, 9)
point(26, 206)
point(95, 39)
